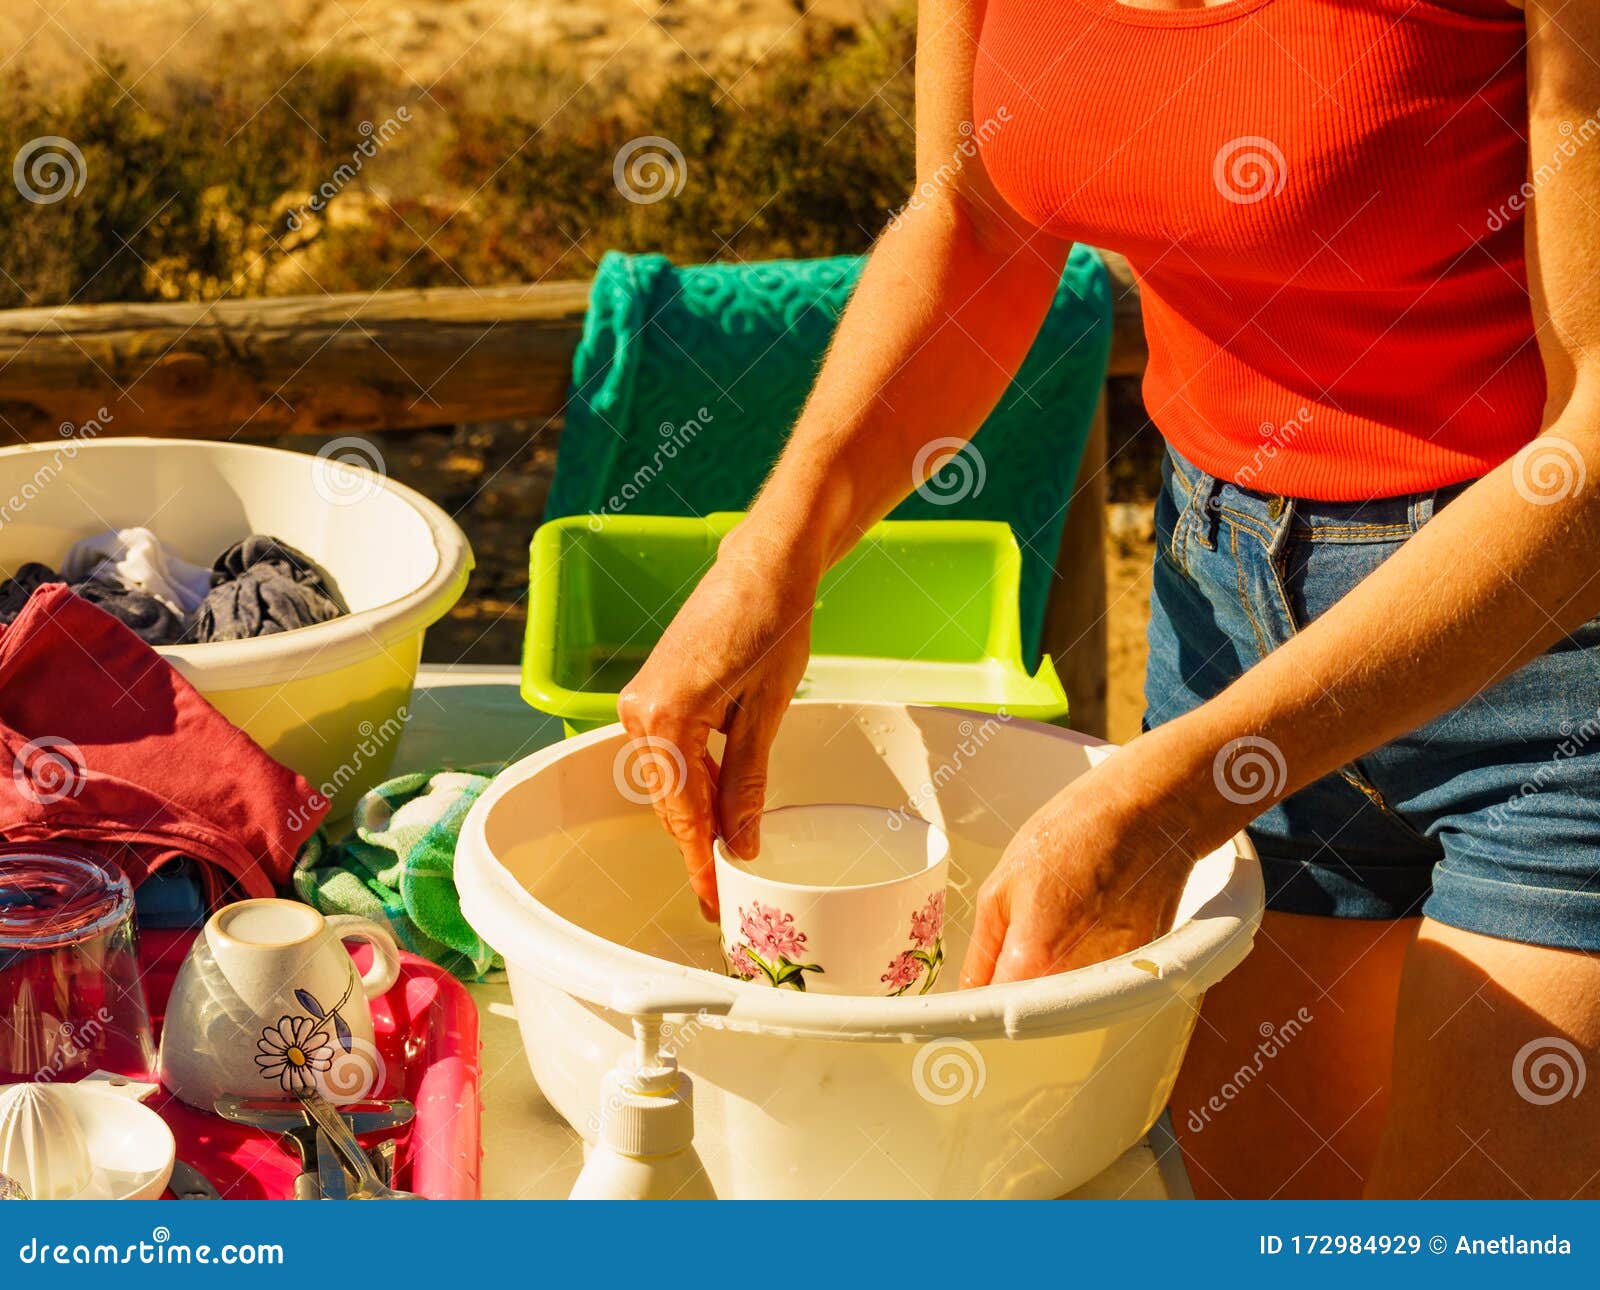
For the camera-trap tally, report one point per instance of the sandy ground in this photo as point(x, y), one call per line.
point(421, 40)
point(1130, 545)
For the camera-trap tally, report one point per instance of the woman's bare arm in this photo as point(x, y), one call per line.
point(943, 316)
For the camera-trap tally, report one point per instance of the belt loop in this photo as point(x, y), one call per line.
point(1188, 521)
point(1422, 507)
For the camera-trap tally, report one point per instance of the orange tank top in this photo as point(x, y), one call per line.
point(1322, 201)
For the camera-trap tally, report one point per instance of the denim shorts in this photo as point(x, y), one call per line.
point(1487, 818)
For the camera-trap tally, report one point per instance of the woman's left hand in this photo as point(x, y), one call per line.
point(1096, 872)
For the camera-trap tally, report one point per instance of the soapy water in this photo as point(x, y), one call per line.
point(623, 878)
point(844, 846)
point(809, 864)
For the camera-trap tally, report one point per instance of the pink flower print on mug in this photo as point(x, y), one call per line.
point(772, 947)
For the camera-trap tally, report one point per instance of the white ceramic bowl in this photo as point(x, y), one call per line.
point(127, 1149)
point(130, 1146)
point(1025, 1089)
point(843, 899)
point(330, 700)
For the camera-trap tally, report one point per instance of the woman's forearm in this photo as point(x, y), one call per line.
point(942, 318)
point(1491, 581)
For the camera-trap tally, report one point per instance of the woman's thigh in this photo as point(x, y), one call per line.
point(1495, 1045)
point(1285, 1087)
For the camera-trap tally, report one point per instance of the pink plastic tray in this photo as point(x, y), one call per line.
point(427, 1032)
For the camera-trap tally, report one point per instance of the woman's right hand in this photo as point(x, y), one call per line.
point(730, 661)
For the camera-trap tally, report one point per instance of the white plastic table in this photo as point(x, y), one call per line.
point(466, 714)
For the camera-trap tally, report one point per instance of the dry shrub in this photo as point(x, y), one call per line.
point(198, 183)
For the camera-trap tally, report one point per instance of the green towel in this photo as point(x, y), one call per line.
point(687, 381)
point(397, 867)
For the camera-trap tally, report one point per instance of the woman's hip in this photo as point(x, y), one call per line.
point(1487, 818)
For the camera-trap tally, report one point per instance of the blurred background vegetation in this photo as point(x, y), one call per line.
point(501, 176)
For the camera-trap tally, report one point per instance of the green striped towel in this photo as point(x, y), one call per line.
point(397, 867)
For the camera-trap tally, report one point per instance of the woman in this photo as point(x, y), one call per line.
point(1375, 355)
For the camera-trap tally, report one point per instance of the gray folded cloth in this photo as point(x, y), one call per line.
point(151, 619)
point(261, 586)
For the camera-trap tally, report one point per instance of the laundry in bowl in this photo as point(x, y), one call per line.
point(261, 586)
point(257, 587)
point(137, 560)
point(151, 619)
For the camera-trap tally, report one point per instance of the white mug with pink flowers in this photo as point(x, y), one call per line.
point(841, 900)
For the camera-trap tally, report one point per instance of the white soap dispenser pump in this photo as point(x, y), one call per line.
point(646, 1145)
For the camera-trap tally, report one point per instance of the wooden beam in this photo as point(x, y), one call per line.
point(1075, 618)
point(296, 364)
point(392, 360)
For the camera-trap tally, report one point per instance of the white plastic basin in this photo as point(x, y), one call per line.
point(327, 700)
point(1023, 1090)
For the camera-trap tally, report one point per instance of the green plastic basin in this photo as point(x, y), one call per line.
point(921, 611)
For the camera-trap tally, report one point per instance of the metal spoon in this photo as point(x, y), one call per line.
point(330, 1171)
point(289, 1118)
point(368, 1185)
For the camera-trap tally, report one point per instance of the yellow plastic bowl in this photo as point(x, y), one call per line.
point(330, 700)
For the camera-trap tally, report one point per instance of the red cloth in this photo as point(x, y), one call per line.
point(1323, 203)
point(111, 747)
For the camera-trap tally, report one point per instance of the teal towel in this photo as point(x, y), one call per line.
point(397, 867)
point(687, 381)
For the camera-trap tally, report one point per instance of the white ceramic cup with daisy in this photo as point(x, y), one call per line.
point(841, 900)
point(269, 1004)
